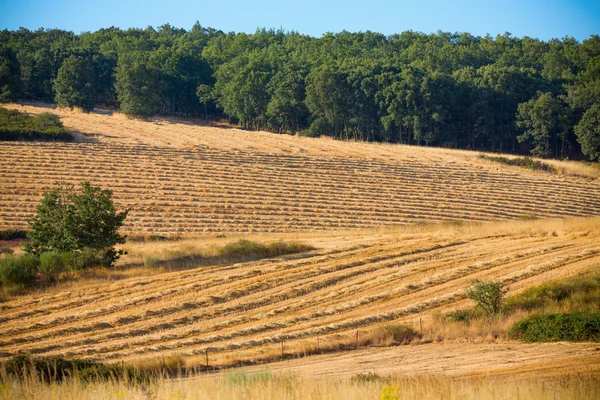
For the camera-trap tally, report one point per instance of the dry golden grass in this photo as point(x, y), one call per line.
point(265, 385)
point(242, 312)
point(356, 203)
point(182, 179)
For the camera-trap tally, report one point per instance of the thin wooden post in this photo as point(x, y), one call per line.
point(206, 358)
point(356, 344)
point(421, 325)
point(318, 345)
point(282, 353)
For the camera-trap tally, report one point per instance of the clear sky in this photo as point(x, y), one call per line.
point(543, 19)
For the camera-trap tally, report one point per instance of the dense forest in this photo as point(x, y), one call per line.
point(456, 90)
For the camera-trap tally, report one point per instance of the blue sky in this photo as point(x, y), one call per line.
point(534, 18)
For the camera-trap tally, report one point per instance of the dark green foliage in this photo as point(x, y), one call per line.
point(545, 123)
point(588, 132)
point(74, 84)
point(573, 327)
point(12, 234)
point(204, 93)
point(15, 125)
point(246, 248)
point(54, 369)
point(10, 80)
point(53, 263)
point(575, 293)
point(136, 85)
point(67, 221)
point(461, 315)
point(88, 258)
point(525, 162)
point(454, 90)
point(18, 273)
point(488, 295)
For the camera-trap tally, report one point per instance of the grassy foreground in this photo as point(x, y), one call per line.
point(265, 385)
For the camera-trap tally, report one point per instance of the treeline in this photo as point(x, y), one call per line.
point(456, 90)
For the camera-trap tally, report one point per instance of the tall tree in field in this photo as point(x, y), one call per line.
point(136, 85)
point(74, 84)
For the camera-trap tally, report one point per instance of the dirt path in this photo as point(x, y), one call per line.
point(454, 358)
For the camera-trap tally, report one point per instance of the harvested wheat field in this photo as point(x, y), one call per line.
point(356, 203)
point(181, 179)
point(314, 301)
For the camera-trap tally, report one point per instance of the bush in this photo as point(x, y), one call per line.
point(247, 249)
point(56, 369)
point(15, 125)
point(18, 272)
point(578, 293)
point(150, 262)
point(88, 258)
point(52, 264)
point(461, 315)
point(573, 327)
point(12, 234)
point(488, 295)
point(525, 162)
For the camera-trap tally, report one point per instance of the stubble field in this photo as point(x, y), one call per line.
point(357, 203)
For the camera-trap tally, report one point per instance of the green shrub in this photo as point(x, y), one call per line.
point(461, 315)
point(56, 369)
point(15, 125)
point(576, 293)
point(52, 264)
point(247, 249)
point(488, 295)
point(150, 262)
point(573, 327)
point(18, 272)
point(12, 234)
point(88, 258)
point(525, 162)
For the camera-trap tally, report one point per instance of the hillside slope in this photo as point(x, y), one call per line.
point(244, 311)
point(185, 179)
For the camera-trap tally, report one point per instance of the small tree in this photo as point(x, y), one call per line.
point(489, 295)
point(67, 221)
point(205, 96)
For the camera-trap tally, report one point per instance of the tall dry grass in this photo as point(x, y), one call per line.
point(267, 386)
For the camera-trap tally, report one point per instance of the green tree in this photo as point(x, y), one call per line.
point(135, 83)
point(488, 295)
point(10, 79)
point(68, 221)
point(588, 132)
point(544, 122)
point(287, 108)
point(74, 84)
point(204, 93)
